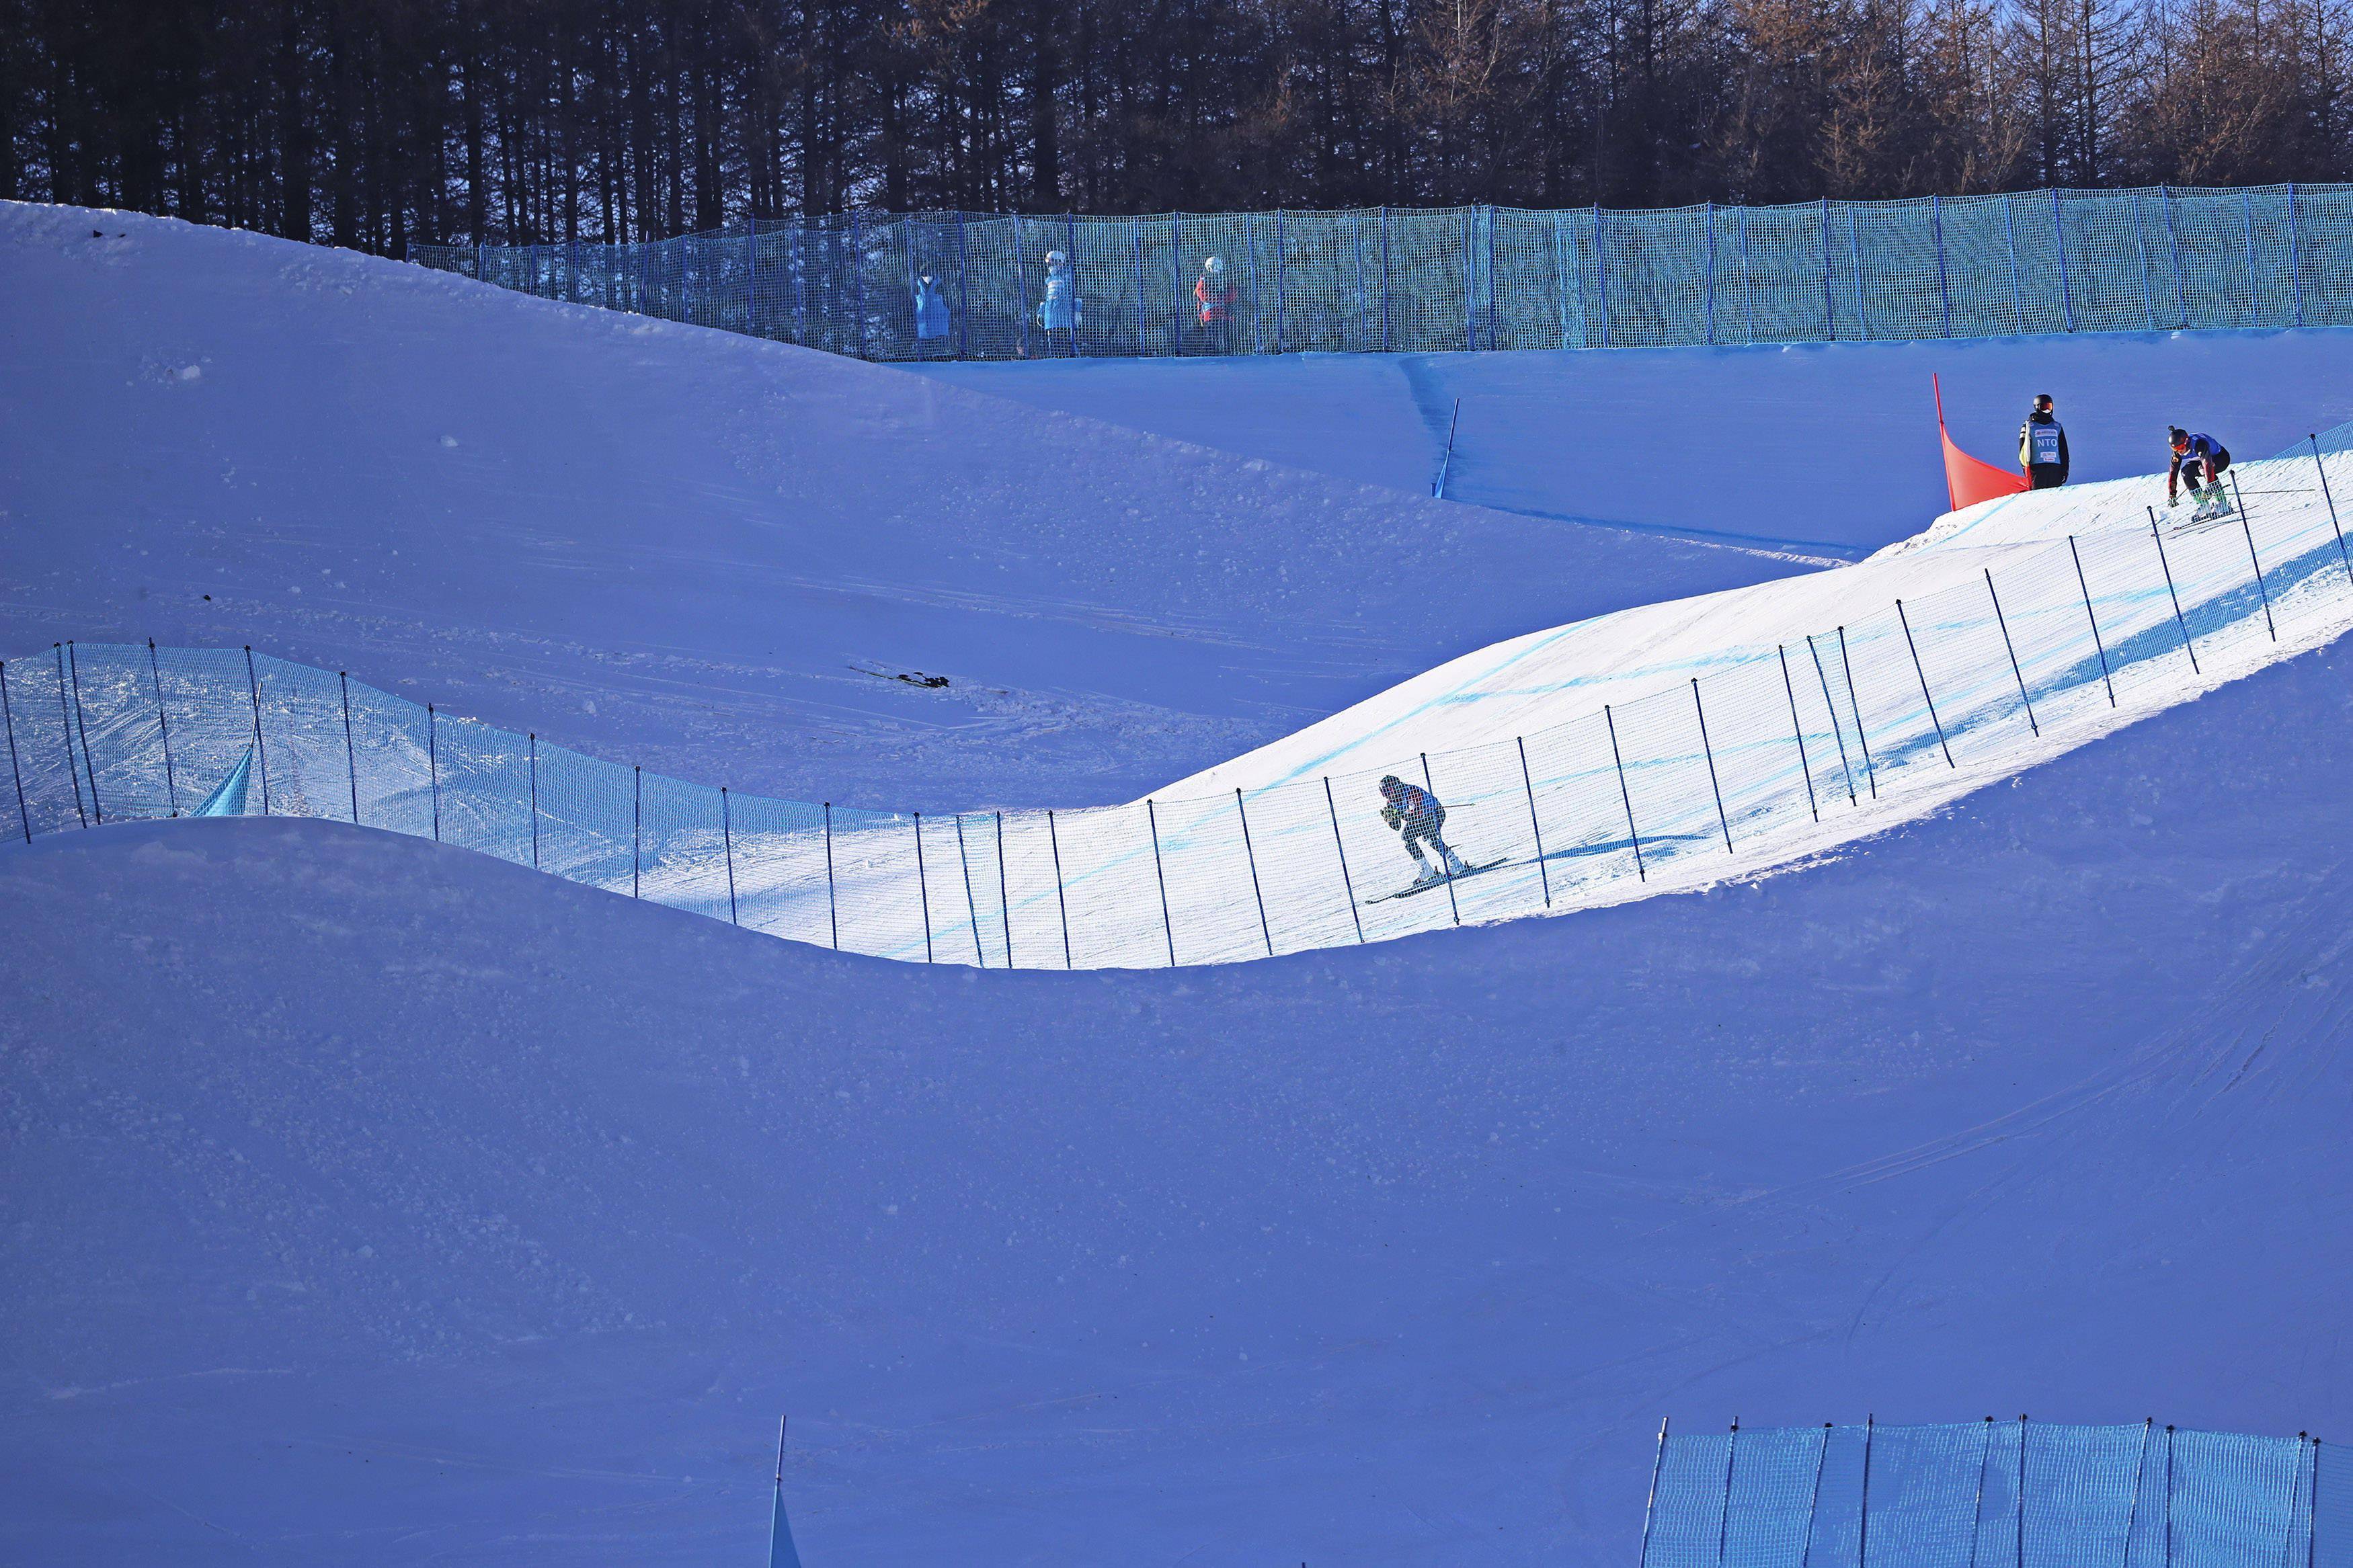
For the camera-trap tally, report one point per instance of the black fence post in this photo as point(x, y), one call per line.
point(1985, 1463)
point(261, 746)
point(1651, 1508)
point(1723, 1515)
point(351, 754)
point(1814, 1499)
point(1862, 1527)
point(1167, 926)
point(923, 888)
point(2104, 678)
point(534, 738)
point(1837, 733)
point(2017, 674)
point(1632, 833)
point(1708, 752)
point(1918, 669)
point(2331, 500)
point(2168, 1487)
point(1250, 853)
point(1003, 898)
point(82, 726)
point(24, 813)
point(963, 857)
point(833, 899)
point(636, 827)
point(164, 727)
point(1854, 701)
point(2179, 619)
point(727, 847)
point(1430, 784)
point(2244, 528)
point(1347, 883)
point(433, 765)
point(1062, 903)
point(1797, 729)
point(1528, 783)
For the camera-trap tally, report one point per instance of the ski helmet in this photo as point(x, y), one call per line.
point(1056, 259)
point(2177, 438)
point(1391, 784)
point(2042, 402)
point(1213, 265)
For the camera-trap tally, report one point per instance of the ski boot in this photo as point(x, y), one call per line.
point(1454, 866)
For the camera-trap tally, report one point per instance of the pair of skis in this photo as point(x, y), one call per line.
point(1437, 882)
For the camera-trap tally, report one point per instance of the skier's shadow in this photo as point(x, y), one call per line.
point(1625, 845)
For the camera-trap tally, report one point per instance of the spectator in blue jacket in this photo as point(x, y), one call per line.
point(931, 316)
point(1059, 310)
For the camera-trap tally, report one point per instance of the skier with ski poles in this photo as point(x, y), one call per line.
point(2198, 458)
point(1416, 814)
point(2042, 446)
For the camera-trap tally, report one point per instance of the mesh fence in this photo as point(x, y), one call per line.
point(1990, 1494)
point(983, 287)
point(1833, 732)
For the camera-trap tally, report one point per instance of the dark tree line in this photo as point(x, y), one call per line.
point(372, 123)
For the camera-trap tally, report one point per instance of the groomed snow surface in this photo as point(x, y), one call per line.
point(370, 1201)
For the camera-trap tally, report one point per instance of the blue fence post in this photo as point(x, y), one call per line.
point(2254, 287)
point(1281, 301)
point(1600, 275)
point(1135, 248)
point(1854, 255)
point(2173, 239)
point(2296, 277)
point(1021, 270)
point(1175, 283)
point(963, 295)
point(1347, 883)
point(1830, 313)
point(1469, 277)
point(2059, 233)
point(2140, 244)
point(857, 279)
point(1385, 280)
point(1944, 279)
point(1160, 874)
point(1494, 318)
point(1748, 285)
point(833, 899)
point(1709, 280)
point(261, 747)
point(752, 277)
point(1633, 834)
point(2017, 293)
point(1249, 244)
point(1651, 1508)
point(164, 727)
point(1563, 252)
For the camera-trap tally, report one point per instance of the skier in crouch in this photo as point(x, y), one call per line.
point(2042, 446)
point(2198, 458)
point(1415, 812)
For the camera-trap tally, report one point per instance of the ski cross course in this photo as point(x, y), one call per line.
point(1586, 764)
point(369, 1197)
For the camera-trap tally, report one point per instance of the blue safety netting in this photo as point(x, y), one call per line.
point(920, 286)
point(1997, 1494)
point(1776, 751)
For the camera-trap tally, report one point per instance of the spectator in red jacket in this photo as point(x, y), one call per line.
point(1214, 297)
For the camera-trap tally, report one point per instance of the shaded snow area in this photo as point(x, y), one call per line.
point(664, 544)
point(1825, 449)
point(367, 1200)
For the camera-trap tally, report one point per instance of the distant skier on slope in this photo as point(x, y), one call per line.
point(2042, 446)
point(1415, 812)
point(2199, 461)
point(1059, 311)
point(1214, 297)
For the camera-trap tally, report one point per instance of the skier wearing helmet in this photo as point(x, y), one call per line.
point(1059, 311)
point(1213, 295)
point(1415, 812)
point(2196, 459)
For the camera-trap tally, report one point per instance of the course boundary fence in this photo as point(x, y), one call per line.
point(1773, 754)
point(1997, 1494)
point(1394, 279)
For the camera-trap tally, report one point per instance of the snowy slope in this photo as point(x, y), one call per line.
point(664, 543)
point(361, 1201)
point(371, 1203)
point(1825, 448)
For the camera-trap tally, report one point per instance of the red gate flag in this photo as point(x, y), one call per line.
point(1966, 479)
